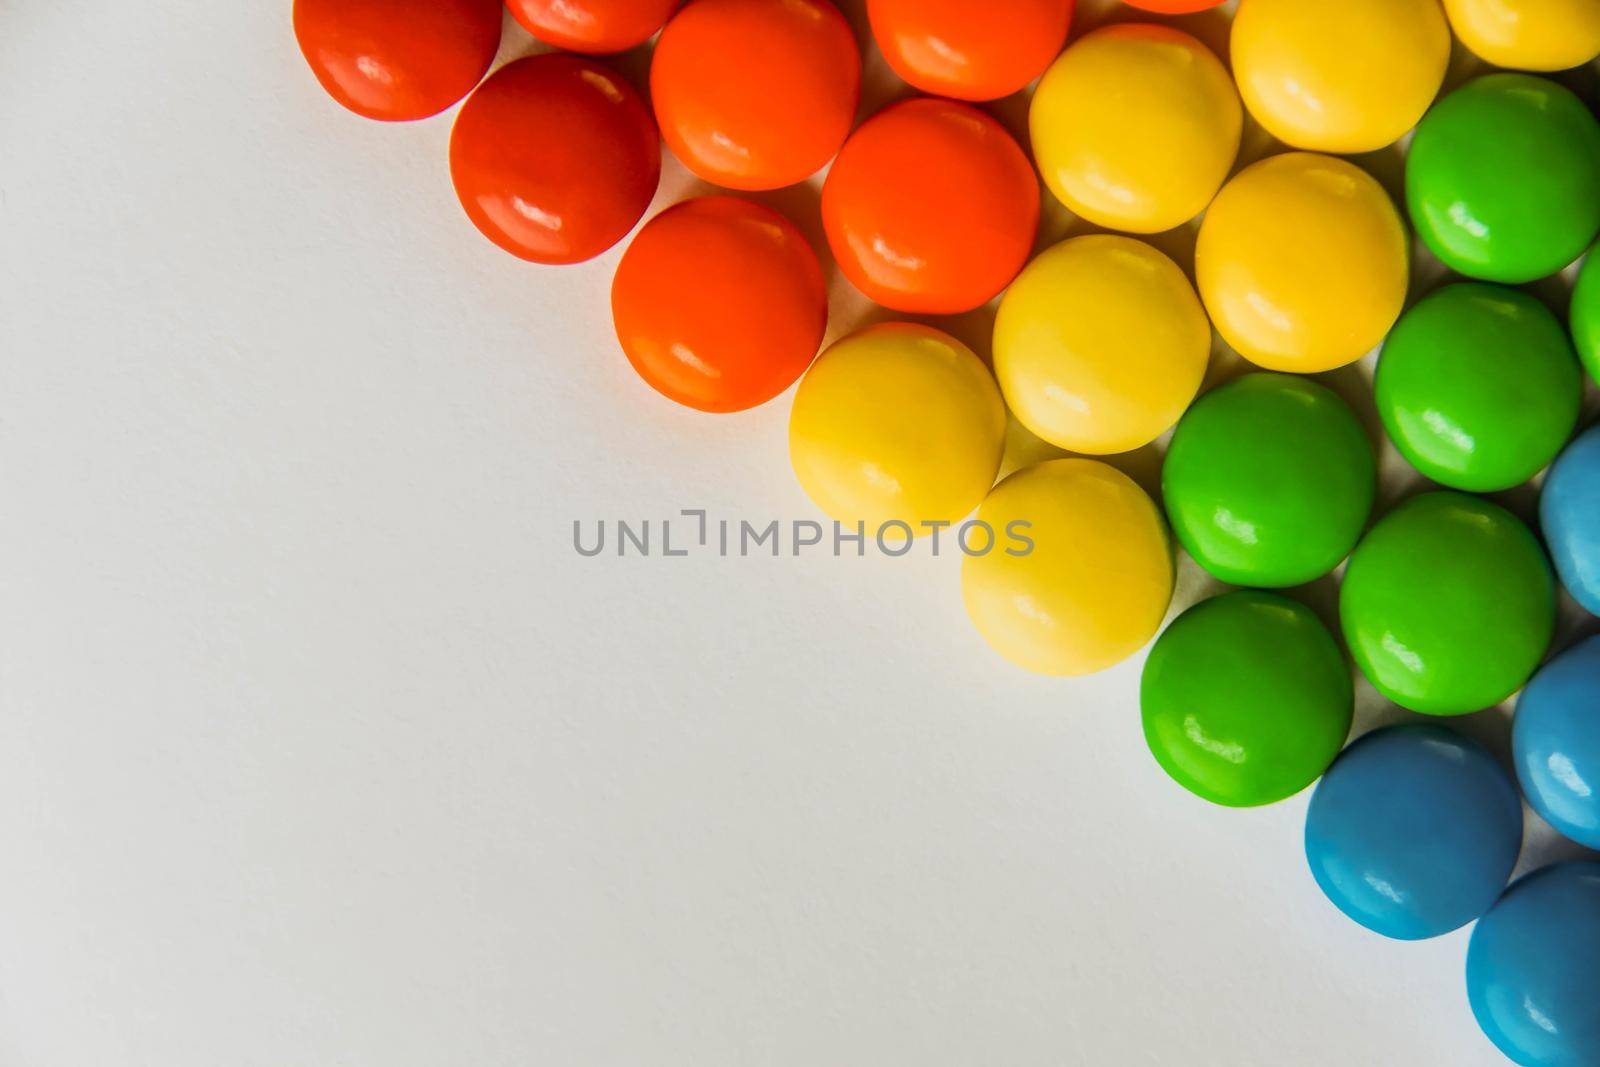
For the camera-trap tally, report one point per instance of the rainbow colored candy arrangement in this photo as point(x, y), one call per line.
point(1101, 346)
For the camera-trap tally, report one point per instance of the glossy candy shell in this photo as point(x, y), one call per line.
point(1531, 975)
point(1448, 604)
point(1246, 699)
point(1503, 178)
point(1414, 831)
point(720, 304)
point(555, 158)
point(1303, 263)
point(1097, 582)
point(1544, 35)
point(1136, 127)
point(398, 60)
point(1100, 344)
point(931, 207)
point(897, 422)
point(1569, 513)
point(969, 51)
point(756, 94)
point(1478, 387)
point(1309, 70)
point(594, 27)
point(1586, 315)
point(1555, 740)
point(1269, 481)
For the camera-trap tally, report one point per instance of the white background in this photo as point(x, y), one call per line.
point(320, 747)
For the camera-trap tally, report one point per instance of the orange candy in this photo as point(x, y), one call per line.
point(555, 158)
point(1175, 7)
point(931, 207)
point(756, 94)
point(968, 50)
point(596, 27)
point(398, 59)
point(720, 304)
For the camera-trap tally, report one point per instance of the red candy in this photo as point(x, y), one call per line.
point(720, 304)
point(398, 60)
point(756, 94)
point(555, 158)
point(970, 49)
point(596, 27)
point(931, 207)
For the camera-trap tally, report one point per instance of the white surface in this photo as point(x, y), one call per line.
point(319, 746)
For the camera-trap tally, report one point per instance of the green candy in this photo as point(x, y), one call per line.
point(1586, 314)
point(1478, 387)
point(1246, 699)
point(1269, 481)
point(1503, 178)
point(1448, 604)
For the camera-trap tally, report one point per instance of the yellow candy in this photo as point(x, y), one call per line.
point(1097, 583)
point(1340, 75)
point(1135, 127)
point(1100, 345)
point(1528, 34)
point(897, 422)
point(1303, 263)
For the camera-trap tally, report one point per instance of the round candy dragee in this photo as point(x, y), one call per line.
point(555, 158)
point(1569, 514)
point(1100, 344)
point(398, 60)
point(1269, 480)
point(1310, 71)
point(1478, 386)
point(1135, 127)
point(596, 27)
point(1528, 34)
point(1555, 740)
point(931, 207)
point(1586, 314)
point(1503, 178)
point(1414, 831)
point(897, 423)
point(1303, 263)
point(1092, 585)
point(720, 304)
point(969, 51)
point(756, 94)
point(1245, 699)
point(1531, 974)
point(1448, 604)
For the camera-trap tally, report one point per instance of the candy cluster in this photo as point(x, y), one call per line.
point(1101, 345)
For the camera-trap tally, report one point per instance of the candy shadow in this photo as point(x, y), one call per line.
point(974, 328)
point(1543, 845)
point(1057, 223)
point(1353, 385)
point(1024, 449)
point(1555, 292)
point(1583, 80)
point(1212, 28)
point(1194, 584)
point(1463, 67)
point(1574, 625)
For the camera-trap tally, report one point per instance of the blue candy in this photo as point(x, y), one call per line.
point(1413, 831)
point(1569, 511)
point(1533, 968)
point(1555, 742)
